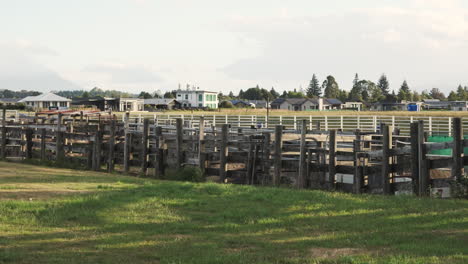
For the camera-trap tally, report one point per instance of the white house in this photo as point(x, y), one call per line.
point(197, 99)
point(131, 104)
point(46, 101)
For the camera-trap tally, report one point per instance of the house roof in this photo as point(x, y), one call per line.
point(10, 100)
point(51, 97)
point(159, 101)
point(333, 101)
point(195, 91)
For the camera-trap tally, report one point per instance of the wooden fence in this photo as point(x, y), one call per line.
point(306, 157)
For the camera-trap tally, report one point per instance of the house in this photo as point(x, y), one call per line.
point(131, 104)
point(197, 99)
point(98, 102)
point(353, 105)
point(332, 104)
point(241, 103)
point(459, 106)
point(436, 104)
point(389, 105)
point(161, 104)
point(8, 101)
point(46, 101)
point(297, 104)
point(258, 103)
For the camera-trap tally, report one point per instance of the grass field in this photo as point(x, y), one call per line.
point(50, 215)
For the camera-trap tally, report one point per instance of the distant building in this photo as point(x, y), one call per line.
point(459, 106)
point(131, 104)
point(306, 104)
point(197, 99)
point(436, 104)
point(161, 104)
point(241, 103)
point(98, 102)
point(8, 101)
point(353, 105)
point(258, 103)
point(46, 101)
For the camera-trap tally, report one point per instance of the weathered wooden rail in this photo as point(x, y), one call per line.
point(306, 157)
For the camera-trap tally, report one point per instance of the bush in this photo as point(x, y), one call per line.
point(191, 174)
point(226, 104)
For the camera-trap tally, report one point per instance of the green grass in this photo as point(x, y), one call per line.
point(50, 215)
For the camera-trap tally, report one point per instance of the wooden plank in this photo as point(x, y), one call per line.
point(43, 143)
point(59, 151)
point(159, 159)
point(414, 128)
point(278, 155)
point(331, 160)
point(266, 156)
point(111, 154)
point(423, 172)
point(179, 141)
point(145, 146)
point(302, 157)
point(127, 143)
point(386, 146)
point(4, 134)
point(358, 177)
point(201, 145)
point(457, 151)
point(29, 143)
point(223, 152)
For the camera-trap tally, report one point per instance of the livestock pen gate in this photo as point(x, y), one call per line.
point(305, 157)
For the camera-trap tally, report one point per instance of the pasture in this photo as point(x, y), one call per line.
point(51, 215)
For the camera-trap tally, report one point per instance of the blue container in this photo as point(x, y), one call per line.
point(413, 108)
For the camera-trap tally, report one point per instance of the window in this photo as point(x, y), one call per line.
point(63, 104)
point(200, 97)
point(186, 97)
point(45, 104)
point(54, 103)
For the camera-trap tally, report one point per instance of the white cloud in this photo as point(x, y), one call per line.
point(418, 42)
point(125, 74)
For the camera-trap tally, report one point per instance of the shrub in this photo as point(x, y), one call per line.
point(226, 104)
point(191, 174)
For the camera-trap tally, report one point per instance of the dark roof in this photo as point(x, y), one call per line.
point(10, 100)
point(333, 101)
point(158, 101)
point(235, 102)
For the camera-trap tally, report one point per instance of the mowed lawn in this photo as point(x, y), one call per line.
point(52, 215)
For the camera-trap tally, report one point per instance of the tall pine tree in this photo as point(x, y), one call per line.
point(314, 89)
point(404, 93)
point(384, 85)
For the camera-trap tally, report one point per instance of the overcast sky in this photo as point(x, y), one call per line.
point(135, 45)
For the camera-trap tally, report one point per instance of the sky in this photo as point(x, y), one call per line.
point(151, 45)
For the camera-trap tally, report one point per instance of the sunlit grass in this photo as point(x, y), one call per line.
point(132, 220)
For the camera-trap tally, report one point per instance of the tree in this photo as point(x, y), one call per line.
point(314, 89)
point(404, 93)
point(453, 96)
point(85, 95)
point(331, 89)
point(462, 94)
point(145, 95)
point(384, 85)
point(342, 95)
point(274, 93)
point(169, 95)
point(231, 94)
point(241, 94)
point(437, 94)
point(356, 80)
point(416, 96)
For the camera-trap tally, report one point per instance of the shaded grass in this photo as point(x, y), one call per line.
point(122, 219)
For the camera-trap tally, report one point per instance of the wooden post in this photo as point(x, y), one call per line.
point(357, 181)
point(110, 161)
point(415, 156)
point(386, 146)
point(278, 154)
point(423, 173)
point(4, 134)
point(223, 152)
point(249, 164)
point(302, 157)
point(145, 146)
point(266, 156)
point(457, 151)
point(127, 143)
point(59, 151)
point(97, 150)
point(332, 160)
point(201, 145)
point(43, 143)
point(159, 159)
point(29, 143)
point(179, 141)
